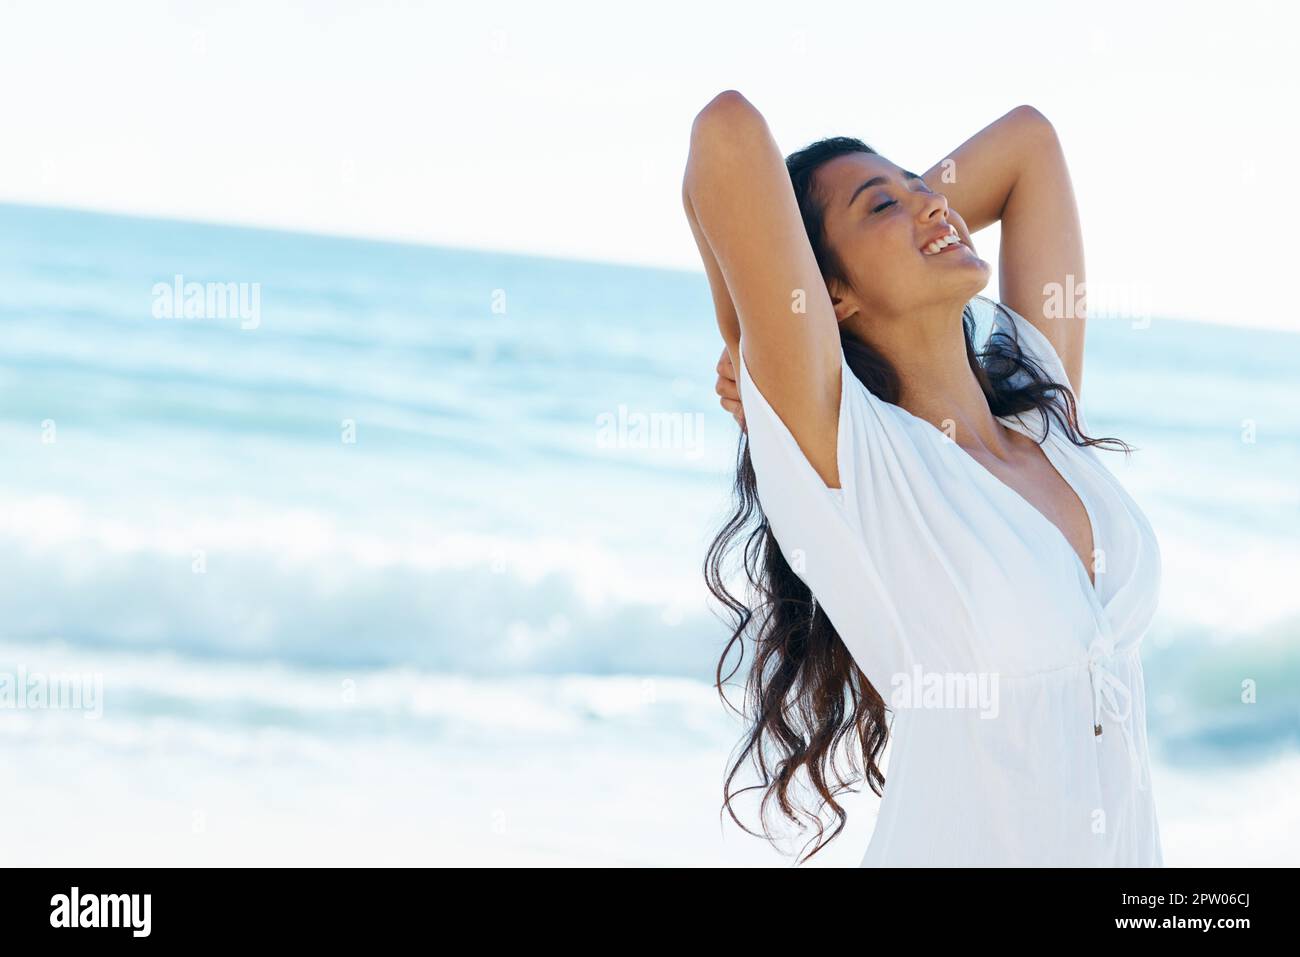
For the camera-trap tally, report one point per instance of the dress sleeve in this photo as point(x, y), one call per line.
point(820, 529)
point(1037, 346)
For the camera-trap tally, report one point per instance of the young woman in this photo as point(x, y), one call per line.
point(925, 526)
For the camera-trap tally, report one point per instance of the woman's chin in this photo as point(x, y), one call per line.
point(957, 255)
point(972, 274)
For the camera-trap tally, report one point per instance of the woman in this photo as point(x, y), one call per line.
point(927, 529)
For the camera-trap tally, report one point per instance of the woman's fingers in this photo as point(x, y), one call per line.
point(727, 387)
point(725, 368)
point(728, 390)
point(737, 411)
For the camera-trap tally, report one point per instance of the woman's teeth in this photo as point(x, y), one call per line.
point(939, 245)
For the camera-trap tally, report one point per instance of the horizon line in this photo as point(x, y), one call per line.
point(411, 243)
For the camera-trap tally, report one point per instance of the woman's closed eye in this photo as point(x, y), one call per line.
point(922, 187)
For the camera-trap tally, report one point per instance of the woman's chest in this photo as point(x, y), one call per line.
point(1050, 486)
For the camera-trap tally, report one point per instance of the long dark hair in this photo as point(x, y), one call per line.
point(805, 695)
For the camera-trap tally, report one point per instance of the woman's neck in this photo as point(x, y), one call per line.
point(936, 382)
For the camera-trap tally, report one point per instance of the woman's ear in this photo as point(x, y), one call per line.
point(843, 310)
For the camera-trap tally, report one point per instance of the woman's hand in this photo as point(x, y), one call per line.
point(728, 390)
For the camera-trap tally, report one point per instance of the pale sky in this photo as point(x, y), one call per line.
point(561, 128)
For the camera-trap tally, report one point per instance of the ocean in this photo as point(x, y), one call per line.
point(395, 557)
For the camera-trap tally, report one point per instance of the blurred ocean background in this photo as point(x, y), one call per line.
point(377, 581)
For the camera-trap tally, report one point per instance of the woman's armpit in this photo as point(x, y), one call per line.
point(767, 428)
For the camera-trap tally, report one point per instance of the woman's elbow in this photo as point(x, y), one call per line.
point(722, 117)
point(1034, 119)
point(724, 104)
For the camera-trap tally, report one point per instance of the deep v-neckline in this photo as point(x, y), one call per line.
point(1012, 422)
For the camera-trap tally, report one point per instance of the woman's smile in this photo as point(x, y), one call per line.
point(943, 242)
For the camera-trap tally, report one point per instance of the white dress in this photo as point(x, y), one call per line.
point(943, 581)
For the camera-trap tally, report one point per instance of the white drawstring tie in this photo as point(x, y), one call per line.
point(1112, 698)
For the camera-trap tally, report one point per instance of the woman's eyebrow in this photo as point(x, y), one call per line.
point(876, 181)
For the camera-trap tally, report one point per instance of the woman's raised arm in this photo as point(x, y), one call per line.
point(1013, 171)
point(767, 287)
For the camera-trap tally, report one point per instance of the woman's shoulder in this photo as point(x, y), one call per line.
point(868, 434)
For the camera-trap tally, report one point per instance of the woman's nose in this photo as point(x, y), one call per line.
point(936, 206)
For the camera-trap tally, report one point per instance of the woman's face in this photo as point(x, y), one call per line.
point(882, 220)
